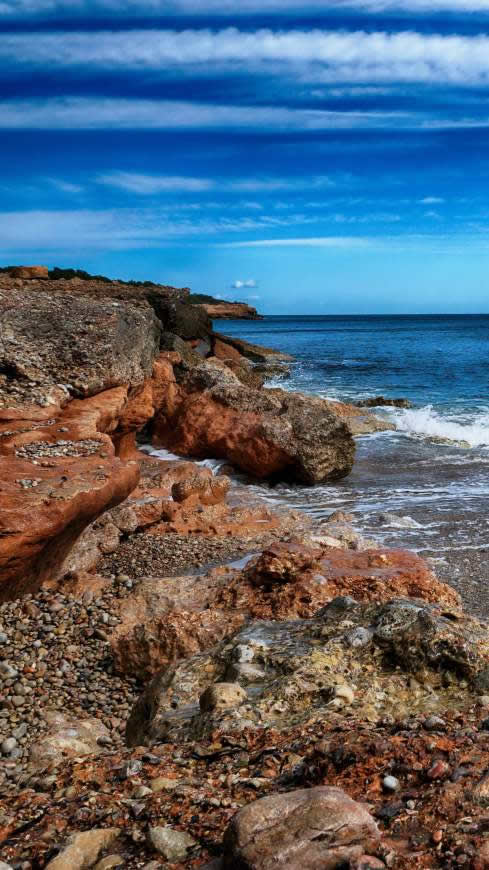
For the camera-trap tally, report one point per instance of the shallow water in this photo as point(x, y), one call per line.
point(441, 364)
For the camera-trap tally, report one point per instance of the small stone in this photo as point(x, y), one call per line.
point(8, 745)
point(435, 723)
point(109, 862)
point(222, 696)
point(439, 770)
point(390, 783)
point(172, 845)
point(83, 849)
point(345, 694)
point(161, 783)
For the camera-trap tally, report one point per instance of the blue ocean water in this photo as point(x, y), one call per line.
point(432, 360)
point(434, 470)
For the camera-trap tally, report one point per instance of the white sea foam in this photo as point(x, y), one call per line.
point(161, 453)
point(428, 423)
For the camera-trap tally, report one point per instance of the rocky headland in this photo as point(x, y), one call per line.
point(188, 678)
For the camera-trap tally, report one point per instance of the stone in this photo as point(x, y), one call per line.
point(270, 433)
point(83, 849)
point(407, 638)
point(222, 696)
point(66, 738)
point(382, 401)
point(29, 273)
point(172, 845)
point(109, 862)
point(390, 783)
point(317, 828)
point(8, 745)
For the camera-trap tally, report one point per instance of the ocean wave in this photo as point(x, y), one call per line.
point(428, 423)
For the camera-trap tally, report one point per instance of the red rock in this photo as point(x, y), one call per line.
point(167, 620)
point(43, 510)
point(29, 272)
point(267, 433)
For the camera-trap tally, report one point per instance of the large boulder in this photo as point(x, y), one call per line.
point(267, 433)
point(54, 345)
point(319, 828)
point(374, 661)
point(169, 619)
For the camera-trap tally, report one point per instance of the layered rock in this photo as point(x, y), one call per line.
point(270, 433)
point(229, 310)
point(53, 347)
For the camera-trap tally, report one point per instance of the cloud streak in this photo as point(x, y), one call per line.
point(154, 8)
point(148, 185)
point(316, 55)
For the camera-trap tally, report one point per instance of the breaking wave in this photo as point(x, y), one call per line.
point(426, 422)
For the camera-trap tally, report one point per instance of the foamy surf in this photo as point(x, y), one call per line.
point(425, 422)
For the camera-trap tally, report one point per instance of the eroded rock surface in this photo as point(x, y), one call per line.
point(268, 433)
point(401, 656)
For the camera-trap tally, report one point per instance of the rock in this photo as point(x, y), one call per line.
point(294, 670)
point(204, 490)
point(83, 849)
point(40, 525)
point(390, 783)
point(267, 433)
point(360, 422)
point(172, 845)
point(8, 745)
point(222, 696)
point(317, 828)
point(66, 738)
point(109, 862)
point(382, 401)
point(45, 343)
point(28, 273)
point(167, 620)
point(229, 310)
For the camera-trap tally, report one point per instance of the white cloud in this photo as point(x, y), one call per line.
point(65, 186)
point(431, 200)
point(309, 55)
point(152, 8)
point(84, 113)
point(321, 242)
point(237, 285)
point(115, 229)
point(134, 182)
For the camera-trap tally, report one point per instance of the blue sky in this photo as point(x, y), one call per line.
point(320, 157)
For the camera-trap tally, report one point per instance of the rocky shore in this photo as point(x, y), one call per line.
point(188, 678)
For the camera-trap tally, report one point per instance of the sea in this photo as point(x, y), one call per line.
point(424, 486)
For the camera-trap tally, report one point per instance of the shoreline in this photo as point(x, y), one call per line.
point(177, 648)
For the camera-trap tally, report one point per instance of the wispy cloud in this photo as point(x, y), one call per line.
point(238, 285)
point(146, 185)
point(133, 182)
point(320, 242)
point(114, 229)
point(314, 55)
point(65, 186)
point(85, 113)
point(150, 8)
point(431, 200)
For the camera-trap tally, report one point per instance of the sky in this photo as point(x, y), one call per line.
point(322, 157)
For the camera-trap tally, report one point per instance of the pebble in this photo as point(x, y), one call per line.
point(8, 745)
point(435, 723)
point(390, 783)
point(172, 845)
